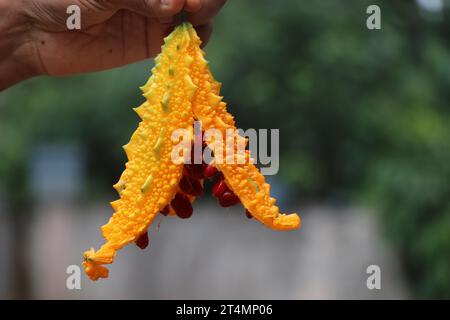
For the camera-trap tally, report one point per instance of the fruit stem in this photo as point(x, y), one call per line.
point(183, 17)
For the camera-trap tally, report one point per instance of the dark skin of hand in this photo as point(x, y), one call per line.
point(34, 39)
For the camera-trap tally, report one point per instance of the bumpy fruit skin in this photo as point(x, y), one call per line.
point(180, 90)
point(244, 179)
point(150, 179)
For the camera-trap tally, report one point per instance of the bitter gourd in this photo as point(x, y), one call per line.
point(180, 90)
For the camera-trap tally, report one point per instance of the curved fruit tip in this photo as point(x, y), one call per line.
point(92, 269)
point(287, 222)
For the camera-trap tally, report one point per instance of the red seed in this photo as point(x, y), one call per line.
point(228, 199)
point(166, 210)
point(219, 188)
point(142, 241)
point(194, 170)
point(198, 171)
point(210, 171)
point(191, 186)
point(185, 184)
point(220, 176)
point(248, 214)
point(198, 188)
point(182, 206)
point(187, 169)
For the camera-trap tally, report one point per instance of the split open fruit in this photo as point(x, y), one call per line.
point(180, 91)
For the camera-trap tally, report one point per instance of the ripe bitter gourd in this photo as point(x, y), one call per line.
point(180, 90)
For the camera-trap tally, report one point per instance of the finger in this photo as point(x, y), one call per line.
point(171, 21)
point(52, 15)
point(192, 5)
point(204, 32)
point(150, 8)
point(166, 20)
point(209, 9)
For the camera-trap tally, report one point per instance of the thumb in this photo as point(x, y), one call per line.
point(149, 8)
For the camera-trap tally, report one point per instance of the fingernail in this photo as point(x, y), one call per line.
point(165, 2)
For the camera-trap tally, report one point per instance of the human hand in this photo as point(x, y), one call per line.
point(34, 39)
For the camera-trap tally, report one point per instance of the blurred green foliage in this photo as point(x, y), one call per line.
point(364, 115)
